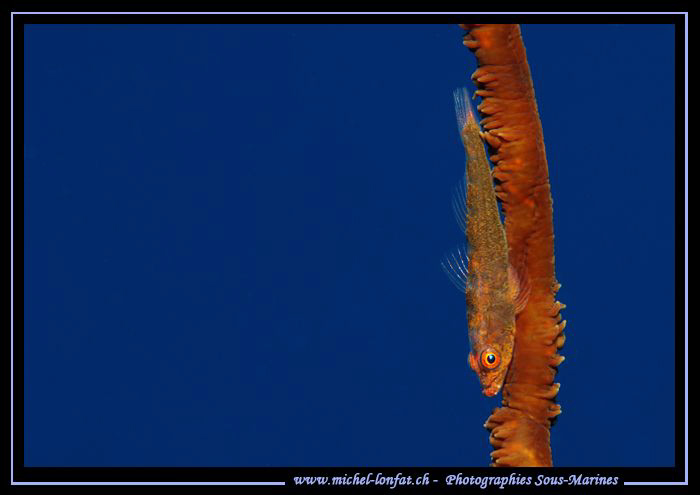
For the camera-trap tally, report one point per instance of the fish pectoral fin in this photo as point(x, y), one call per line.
point(455, 265)
point(519, 287)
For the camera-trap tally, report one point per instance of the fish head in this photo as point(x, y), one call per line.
point(490, 358)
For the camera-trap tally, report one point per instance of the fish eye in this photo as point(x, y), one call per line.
point(490, 359)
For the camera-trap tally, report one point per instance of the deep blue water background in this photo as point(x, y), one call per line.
point(233, 236)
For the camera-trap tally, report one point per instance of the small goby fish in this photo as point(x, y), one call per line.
point(495, 291)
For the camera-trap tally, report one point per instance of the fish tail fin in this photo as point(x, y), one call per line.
point(463, 108)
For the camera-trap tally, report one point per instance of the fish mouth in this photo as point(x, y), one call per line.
point(491, 390)
point(491, 384)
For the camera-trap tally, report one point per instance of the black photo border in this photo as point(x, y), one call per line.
point(22, 475)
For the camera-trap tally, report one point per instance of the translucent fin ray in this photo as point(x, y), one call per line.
point(455, 267)
point(459, 203)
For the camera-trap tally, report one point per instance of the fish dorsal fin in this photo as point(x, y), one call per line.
point(519, 287)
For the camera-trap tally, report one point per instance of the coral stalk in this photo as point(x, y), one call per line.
point(520, 429)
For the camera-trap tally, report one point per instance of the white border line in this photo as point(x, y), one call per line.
point(686, 279)
point(12, 14)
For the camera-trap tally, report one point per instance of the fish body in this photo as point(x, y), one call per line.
point(494, 290)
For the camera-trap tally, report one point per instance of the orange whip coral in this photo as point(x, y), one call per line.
point(520, 429)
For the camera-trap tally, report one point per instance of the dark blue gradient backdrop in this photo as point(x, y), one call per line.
point(233, 238)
